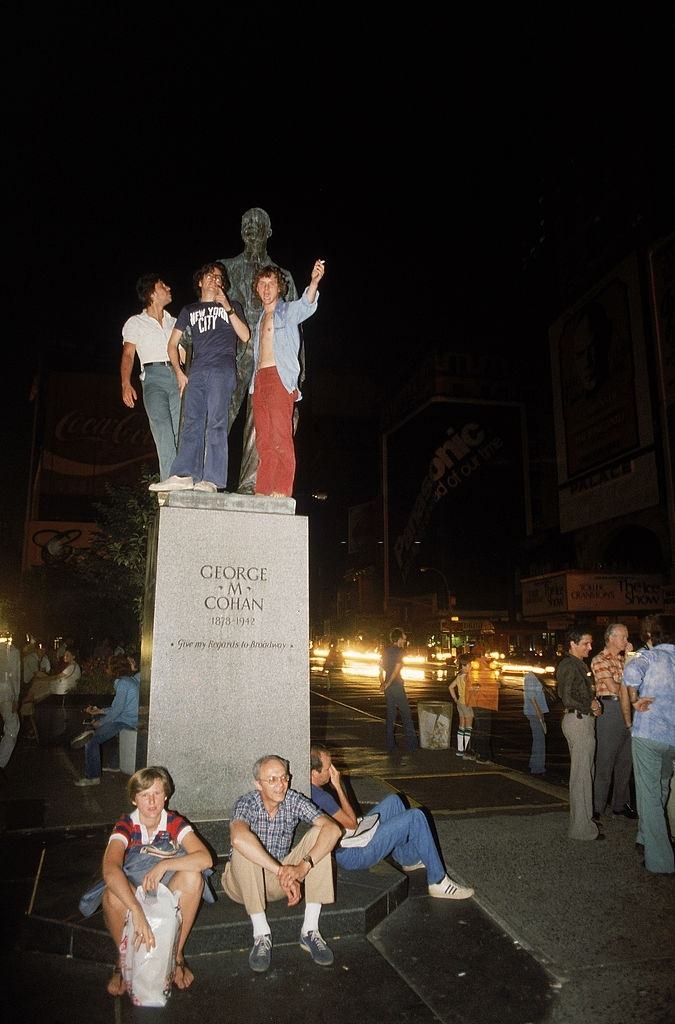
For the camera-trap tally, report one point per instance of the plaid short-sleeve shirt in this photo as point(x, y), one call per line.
point(276, 834)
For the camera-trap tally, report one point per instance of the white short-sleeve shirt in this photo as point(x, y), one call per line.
point(69, 678)
point(149, 336)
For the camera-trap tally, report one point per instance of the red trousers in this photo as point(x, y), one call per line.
point(273, 422)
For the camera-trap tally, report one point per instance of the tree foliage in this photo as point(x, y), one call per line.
point(116, 561)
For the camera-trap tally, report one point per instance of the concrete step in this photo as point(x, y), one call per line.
point(69, 863)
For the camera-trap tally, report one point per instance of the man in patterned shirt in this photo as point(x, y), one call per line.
point(612, 728)
point(263, 867)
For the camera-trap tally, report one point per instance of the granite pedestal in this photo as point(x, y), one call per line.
point(229, 645)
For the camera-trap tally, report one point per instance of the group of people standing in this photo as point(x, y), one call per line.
point(244, 303)
point(619, 715)
point(618, 719)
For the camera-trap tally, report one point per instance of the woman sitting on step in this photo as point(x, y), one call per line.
point(152, 844)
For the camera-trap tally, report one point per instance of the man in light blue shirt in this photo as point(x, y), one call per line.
point(274, 385)
point(534, 708)
point(122, 714)
point(650, 678)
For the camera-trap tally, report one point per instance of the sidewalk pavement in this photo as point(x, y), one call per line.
point(557, 931)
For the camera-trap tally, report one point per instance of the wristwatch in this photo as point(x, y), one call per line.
point(308, 860)
point(230, 311)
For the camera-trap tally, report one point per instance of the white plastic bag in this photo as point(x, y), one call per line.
point(149, 972)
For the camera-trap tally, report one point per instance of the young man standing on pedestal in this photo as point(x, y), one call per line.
point(274, 387)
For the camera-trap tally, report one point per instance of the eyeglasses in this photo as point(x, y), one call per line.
point(273, 779)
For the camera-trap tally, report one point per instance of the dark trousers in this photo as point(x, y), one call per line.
point(612, 757)
point(481, 737)
point(202, 448)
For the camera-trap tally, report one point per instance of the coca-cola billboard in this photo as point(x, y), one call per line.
point(90, 438)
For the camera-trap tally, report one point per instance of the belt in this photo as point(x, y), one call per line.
point(608, 696)
point(165, 362)
point(579, 714)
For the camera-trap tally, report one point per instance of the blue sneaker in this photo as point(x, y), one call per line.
point(260, 957)
point(313, 944)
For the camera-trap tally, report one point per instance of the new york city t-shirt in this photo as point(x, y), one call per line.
point(214, 342)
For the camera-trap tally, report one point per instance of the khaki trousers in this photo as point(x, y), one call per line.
point(255, 887)
point(580, 736)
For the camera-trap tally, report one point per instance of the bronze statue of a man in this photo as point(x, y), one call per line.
point(255, 230)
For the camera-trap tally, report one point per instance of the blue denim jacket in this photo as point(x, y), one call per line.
point(287, 316)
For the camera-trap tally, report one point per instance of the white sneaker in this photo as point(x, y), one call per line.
point(88, 782)
point(413, 867)
point(446, 889)
point(205, 485)
point(81, 739)
point(173, 483)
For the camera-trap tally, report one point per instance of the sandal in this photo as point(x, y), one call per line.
point(187, 975)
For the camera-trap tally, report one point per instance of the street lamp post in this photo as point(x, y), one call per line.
point(431, 568)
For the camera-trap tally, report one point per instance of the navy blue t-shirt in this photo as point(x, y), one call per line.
point(214, 342)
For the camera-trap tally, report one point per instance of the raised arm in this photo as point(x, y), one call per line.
point(318, 270)
point(345, 816)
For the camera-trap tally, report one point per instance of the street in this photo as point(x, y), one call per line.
point(511, 738)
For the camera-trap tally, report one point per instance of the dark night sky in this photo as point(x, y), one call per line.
point(412, 168)
point(408, 155)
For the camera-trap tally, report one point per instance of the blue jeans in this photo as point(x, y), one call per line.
point(92, 748)
point(396, 698)
point(538, 756)
point(161, 399)
point(653, 768)
point(207, 401)
point(402, 833)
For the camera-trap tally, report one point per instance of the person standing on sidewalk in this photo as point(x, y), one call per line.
point(457, 690)
point(612, 729)
point(483, 697)
point(403, 833)
point(575, 689)
point(263, 867)
point(650, 679)
point(394, 690)
point(534, 709)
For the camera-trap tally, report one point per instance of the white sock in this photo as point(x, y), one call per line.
point(460, 739)
point(311, 922)
point(467, 738)
point(260, 925)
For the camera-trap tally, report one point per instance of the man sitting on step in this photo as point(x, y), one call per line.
point(405, 834)
point(263, 867)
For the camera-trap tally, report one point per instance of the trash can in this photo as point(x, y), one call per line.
point(435, 720)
